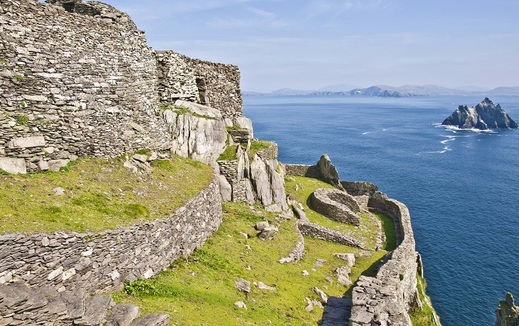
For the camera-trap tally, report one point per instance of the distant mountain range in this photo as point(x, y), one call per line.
point(390, 91)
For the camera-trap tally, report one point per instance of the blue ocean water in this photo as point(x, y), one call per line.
point(461, 187)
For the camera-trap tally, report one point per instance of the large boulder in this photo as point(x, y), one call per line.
point(486, 115)
point(197, 136)
point(327, 171)
point(268, 183)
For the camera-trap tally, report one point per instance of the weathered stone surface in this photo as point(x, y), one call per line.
point(343, 275)
point(225, 188)
point(122, 315)
point(26, 142)
point(93, 100)
point(298, 251)
point(13, 165)
point(207, 83)
point(152, 320)
point(269, 185)
point(199, 138)
point(268, 233)
point(322, 296)
point(240, 304)
point(327, 170)
point(359, 188)
point(96, 309)
point(349, 258)
point(320, 232)
point(486, 115)
point(263, 286)
point(389, 296)
point(56, 165)
point(199, 109)
point(242, 285)
point(244, 123)
point(336, 204)
point(507, 313)
point(260, 226)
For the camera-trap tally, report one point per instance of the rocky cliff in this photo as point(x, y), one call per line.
point(485, 115)
point(507, 313)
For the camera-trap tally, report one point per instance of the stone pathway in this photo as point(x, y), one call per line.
point(337, 312)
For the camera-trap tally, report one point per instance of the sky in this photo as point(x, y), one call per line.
point(309, 44)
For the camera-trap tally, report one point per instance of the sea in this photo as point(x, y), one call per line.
point(461, 186)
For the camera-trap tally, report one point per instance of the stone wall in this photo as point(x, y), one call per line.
point(212, 84)
point(82, 85)
point(85, 83)
point(97, 262)
point(336, 205)
point(388, 297)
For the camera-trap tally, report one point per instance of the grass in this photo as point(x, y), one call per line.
point(301, 188)
point(180, 110)
point(201, 290)
point(229, 154)
point(426, 315)
point(22, 120)
point(258, 145)
point(99, 194)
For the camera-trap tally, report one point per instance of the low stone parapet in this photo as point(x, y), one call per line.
point(98, 262)
point(388, 297)
point(336, 204)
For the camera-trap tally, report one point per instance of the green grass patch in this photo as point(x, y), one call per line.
point(180, 110)
point(18, 78)
point(22, 120)
point(201, 290)
point(258, 145)
point(425, 316)
point(302, 187)
point(99, 194)
point(229, 154)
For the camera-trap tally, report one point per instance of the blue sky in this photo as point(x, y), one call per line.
point(309, 44)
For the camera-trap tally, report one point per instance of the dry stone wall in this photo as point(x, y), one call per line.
point(208, 83)
point(98, 262)
point(74, 85)
point(84, 82)
point(388, 297)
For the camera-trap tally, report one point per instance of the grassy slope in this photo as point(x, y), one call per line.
point(202, 290)
point(99, 194)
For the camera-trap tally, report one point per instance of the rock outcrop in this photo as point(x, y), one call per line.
point(507, 313)
point(486, 115)
point(197, 131)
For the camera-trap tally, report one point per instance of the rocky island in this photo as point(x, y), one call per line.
point(486, 115)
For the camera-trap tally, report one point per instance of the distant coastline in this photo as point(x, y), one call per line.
point(390, 91)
